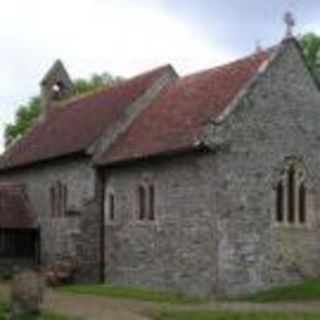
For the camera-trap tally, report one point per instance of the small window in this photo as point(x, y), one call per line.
point(151, 202)
point(146, 198)
point(279, 202)
point(65, 199)
point(111, 201)
point(291, 195)
point(302, 203)
point(53, 201)
point(58, 199)
point(142, 202)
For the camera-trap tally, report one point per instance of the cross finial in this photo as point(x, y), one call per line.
point(290, 23)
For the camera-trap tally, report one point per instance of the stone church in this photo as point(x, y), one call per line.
point(207, 183)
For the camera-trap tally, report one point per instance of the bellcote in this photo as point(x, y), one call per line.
point(55, 87)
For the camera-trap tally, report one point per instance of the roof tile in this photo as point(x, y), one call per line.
point(175, 121)
point(15, 208)
point(73, 128)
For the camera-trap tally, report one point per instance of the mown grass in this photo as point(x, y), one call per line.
point(209, 315)
point(114, 291)
point(305, 291)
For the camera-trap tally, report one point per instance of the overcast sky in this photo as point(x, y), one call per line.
point(125, 37)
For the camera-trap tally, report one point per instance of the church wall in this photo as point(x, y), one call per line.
point(177, 249)
point(215, 227)
point(63, 237)
point(275, 124)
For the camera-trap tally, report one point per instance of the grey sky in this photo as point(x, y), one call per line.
point(126, 37)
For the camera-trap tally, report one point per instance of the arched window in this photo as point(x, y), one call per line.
point(58, 199)
point(291, 196)
point(279, 202)
point(302, 203)
point(65, 199)
point(151, 202)
point(142, 202)
point(146, 201)
point(53, 201)
point(111, 206)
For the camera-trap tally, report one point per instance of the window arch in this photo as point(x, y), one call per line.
point(58, 199)
point(111, 206)
point(53, 200)
point(279, 202)
point(291, 195)
point(142, 201)
point(146, 201)
point(302, 203)
point(151, 202)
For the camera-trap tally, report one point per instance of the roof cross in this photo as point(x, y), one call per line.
point(290, 23)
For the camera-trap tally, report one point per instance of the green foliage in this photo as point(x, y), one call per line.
point(95, 82)
point(311, 49)
point(161, 296)
point(210, 315)
point(3, 311)
point(24, 118)
point(306, 291)
point(28, 113)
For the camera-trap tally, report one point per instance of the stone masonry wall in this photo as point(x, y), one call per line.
point(278, 121)
point(178, 249)
point(89, 249)
point(61, 237)
point(215, 228)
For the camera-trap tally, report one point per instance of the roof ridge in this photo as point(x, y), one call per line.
point(176, 120)
point(231, 63)
point(78, 122)
point(106, 88)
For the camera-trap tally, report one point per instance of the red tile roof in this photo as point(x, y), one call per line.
point(15, 208)
point(175, 121)
point(74, 127)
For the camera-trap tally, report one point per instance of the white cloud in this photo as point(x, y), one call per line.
point(121, 37)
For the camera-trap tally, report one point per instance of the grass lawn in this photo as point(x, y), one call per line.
point(305, 291)
point(133, 293)
point(203, 315)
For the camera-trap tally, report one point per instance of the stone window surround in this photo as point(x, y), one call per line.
point(149, 204)
point(109, 192)
point(58, 199)
point(300, 181)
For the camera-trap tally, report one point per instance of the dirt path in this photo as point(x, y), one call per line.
point(97, 308)
point(104, 308)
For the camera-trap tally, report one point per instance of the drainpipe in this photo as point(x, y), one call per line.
point(102, 227)
point(100, 196)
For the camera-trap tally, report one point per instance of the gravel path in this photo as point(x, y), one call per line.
point(97, 308)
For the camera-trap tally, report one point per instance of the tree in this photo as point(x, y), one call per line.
point(96, 81)
point(28, 113)
point(311, 49)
